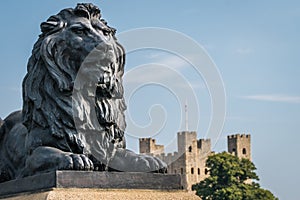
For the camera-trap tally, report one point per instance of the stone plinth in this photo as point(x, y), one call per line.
point(69, 184)
point(111, 194)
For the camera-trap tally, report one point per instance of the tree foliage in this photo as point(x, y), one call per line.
point(229, 180)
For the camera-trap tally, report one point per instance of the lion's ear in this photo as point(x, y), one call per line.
point(48, 26)
point(52, 25)
point(82, 13)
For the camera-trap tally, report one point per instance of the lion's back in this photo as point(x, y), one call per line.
point(9, 122)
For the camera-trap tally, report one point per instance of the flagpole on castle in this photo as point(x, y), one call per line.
point(186, 116)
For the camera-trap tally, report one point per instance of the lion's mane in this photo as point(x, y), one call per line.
point(49, 84)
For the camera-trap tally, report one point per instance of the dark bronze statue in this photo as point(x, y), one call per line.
point(73, 104)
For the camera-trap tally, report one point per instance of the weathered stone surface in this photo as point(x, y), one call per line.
point(111, 194)
point(103, 180)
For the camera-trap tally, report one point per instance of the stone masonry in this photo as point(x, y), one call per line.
point(239, 145)
point(190, 159)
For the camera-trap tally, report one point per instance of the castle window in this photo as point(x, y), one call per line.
point(192, 170)
point(181, 170)
point(190, 148)
point(244, 151)
point(175, 171)
point(234, 151)
point(198, 171)
point(206, 171)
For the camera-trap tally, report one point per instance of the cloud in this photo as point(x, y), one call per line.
point(168, 59)
point(274, 98)
point(174, 62)
point(153, 55)
point(194, 85)
point(162, 75)
point(161, 67)
point(143, 75)
point(166, 68)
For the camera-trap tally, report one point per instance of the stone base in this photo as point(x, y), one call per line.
point(111, 194)
point(90, 180)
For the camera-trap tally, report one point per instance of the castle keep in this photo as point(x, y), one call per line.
point(190, 159)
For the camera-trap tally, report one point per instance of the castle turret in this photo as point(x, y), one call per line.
point(204, 146)
point(240, 145)
point(149, 146)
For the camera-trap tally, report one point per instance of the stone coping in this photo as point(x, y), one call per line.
point(91, 179)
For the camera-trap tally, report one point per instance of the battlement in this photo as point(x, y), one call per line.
point(239, 136)
point(169, 155)
point(203, 140)
point(149, 146)
point(168, 158)
point(203, 143)
point(182, 133)
point(147, 139)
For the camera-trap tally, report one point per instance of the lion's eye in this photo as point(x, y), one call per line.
point(78, 31)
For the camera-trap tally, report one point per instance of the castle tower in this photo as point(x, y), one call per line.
point(186, 141)
point(204, 146)
point(240, 145)
point(149, 146)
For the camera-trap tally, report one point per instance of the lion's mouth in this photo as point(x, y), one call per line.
point(106, 78)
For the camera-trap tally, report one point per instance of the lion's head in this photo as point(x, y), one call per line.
point(69, 39)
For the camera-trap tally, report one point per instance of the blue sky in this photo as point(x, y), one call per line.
point(254, 44)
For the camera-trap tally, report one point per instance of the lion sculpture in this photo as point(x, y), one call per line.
point(73, 104)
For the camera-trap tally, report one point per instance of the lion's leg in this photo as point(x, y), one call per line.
point(126, 160)
point(45, 159)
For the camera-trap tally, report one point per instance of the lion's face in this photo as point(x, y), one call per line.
point(82, 36)
point(92, 46)
point(79, 40)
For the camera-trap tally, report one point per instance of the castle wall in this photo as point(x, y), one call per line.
point(190, 162)
point(192, 154)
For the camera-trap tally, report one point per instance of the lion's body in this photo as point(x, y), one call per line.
point(73, 104)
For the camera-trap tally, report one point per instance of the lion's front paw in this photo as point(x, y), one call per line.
point(76, 162)
point(154, 164)
point(125, 160)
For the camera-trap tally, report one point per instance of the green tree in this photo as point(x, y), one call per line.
point(228, 180)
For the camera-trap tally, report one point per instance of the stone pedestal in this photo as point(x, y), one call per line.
point(110, 194)
point(95, 185)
